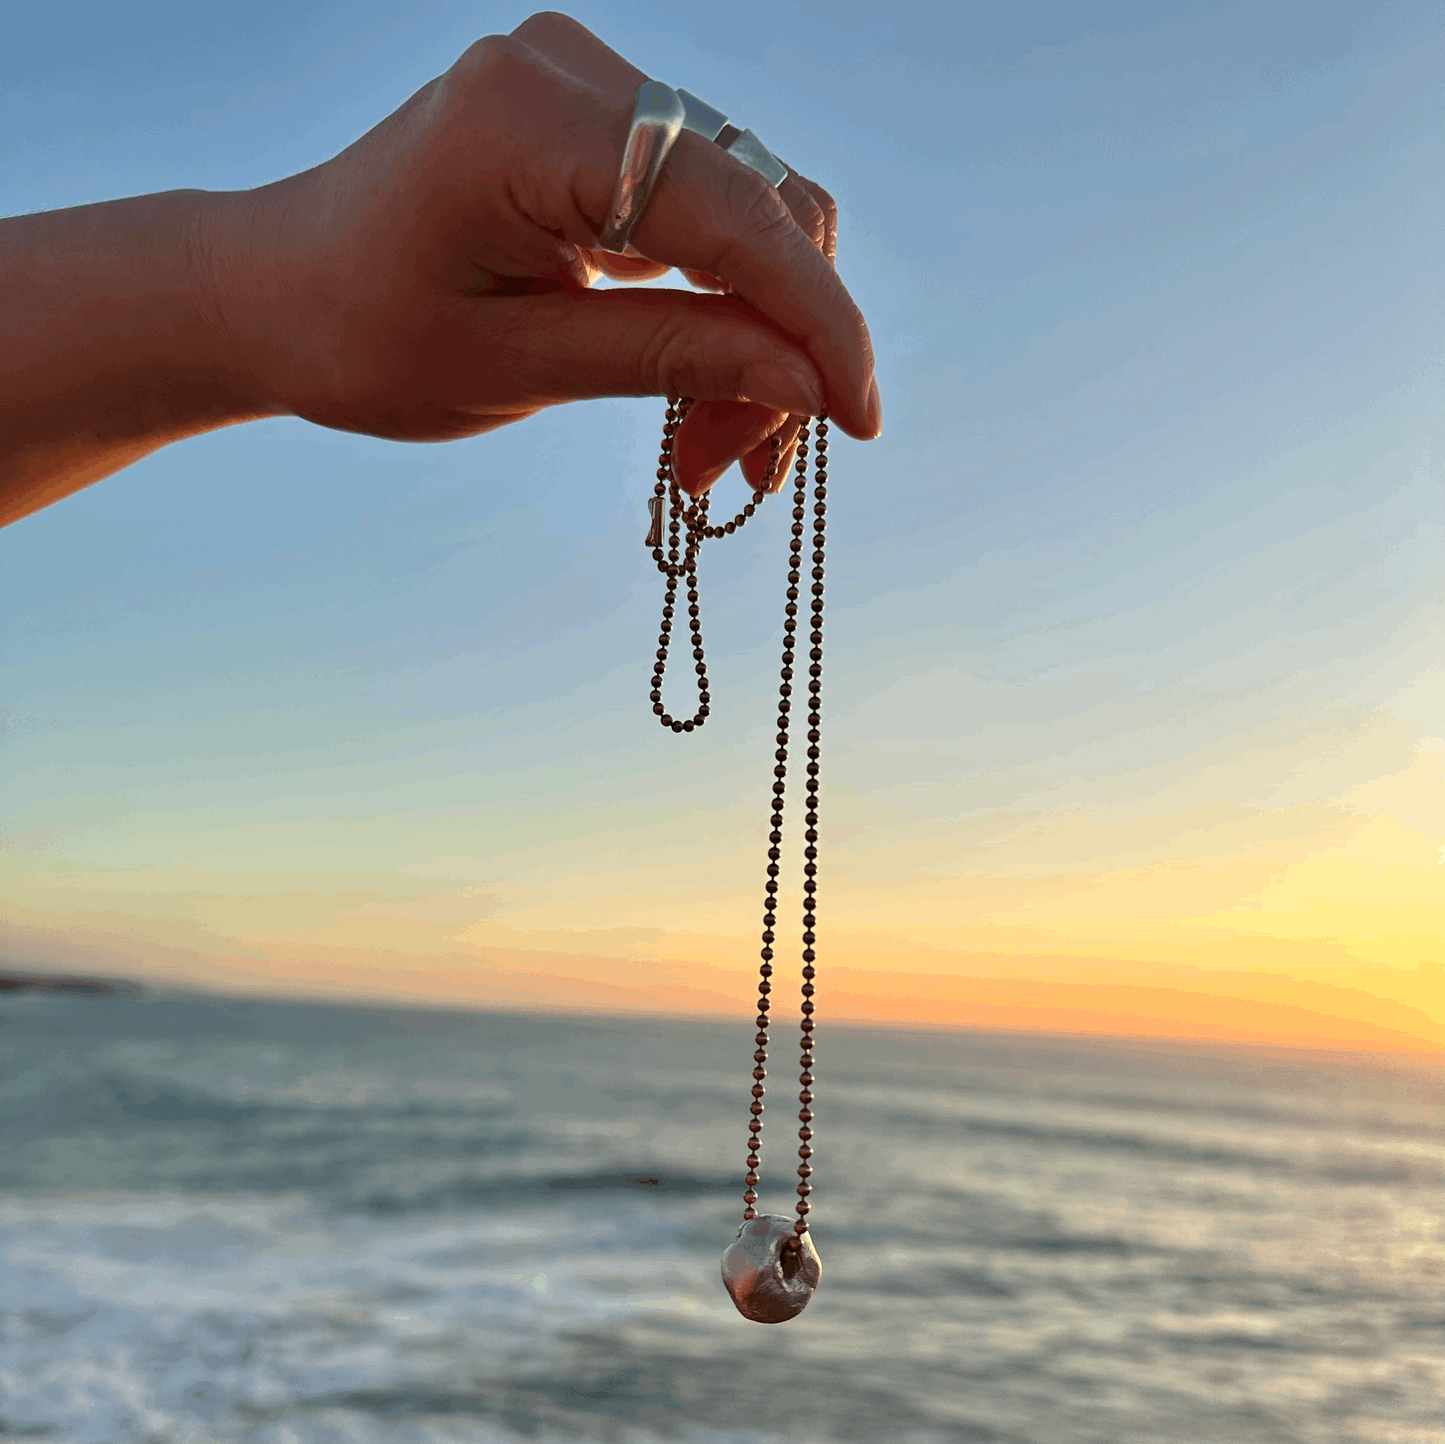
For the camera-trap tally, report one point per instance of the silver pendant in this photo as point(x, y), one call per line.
point(769, 1282)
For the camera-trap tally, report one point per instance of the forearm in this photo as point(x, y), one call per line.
point(112, 341)
point(430, 282)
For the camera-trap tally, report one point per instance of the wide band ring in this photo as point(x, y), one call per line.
point(659, 115)
point(743, 145)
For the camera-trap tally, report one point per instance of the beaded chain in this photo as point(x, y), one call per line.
point(688, 527)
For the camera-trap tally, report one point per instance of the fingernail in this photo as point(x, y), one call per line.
point(695, 483)
point(875, 409)
point(694, 486)
point(794, 389)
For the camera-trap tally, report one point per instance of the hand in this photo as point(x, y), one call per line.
point(435, 279)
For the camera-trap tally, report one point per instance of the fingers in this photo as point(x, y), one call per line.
point(802, 203)
point(572, 47)
point(713, 215)
point(813, 209)
point(551, 348)
point(829, 209)
point(626, 268)
point(718, 433)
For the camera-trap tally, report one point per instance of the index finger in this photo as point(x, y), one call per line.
point(571, 45)
point(712, 214)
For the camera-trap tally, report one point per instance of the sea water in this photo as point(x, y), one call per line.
point(250, 1221)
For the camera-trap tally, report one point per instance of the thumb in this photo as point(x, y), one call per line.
point(566, 347)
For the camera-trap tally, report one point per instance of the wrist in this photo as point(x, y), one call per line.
point(248, 299)
point(112, 343)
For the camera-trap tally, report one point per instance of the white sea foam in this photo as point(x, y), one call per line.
point(290, 1225)
point(192, 1318)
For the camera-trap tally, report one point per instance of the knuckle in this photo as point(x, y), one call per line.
point(759, 223)
point(502, 88)
point(827, 205)
point(492, 59)
point(828, 209)
point(551, 27)
point(668, 363)
point(685, 357)
point(810, 218)
point(548, 22)
point(755, 209)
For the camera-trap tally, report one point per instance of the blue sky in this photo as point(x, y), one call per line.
point(1145, 571)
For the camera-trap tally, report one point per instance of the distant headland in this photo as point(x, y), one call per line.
point(60, 983)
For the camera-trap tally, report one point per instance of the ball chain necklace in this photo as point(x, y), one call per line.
point(772, 1268)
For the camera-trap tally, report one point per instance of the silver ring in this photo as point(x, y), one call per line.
point(657, 120)
point(743, 145)
point(659, 115)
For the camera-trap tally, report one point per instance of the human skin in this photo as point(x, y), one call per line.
point(433, 281)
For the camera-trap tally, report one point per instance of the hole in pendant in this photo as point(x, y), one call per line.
point(790, 1259)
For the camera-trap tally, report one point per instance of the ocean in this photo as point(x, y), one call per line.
point(294, 1223)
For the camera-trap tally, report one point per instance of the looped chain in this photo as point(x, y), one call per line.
point(688, 527)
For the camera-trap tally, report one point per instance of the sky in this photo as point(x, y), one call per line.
point(1134, 703)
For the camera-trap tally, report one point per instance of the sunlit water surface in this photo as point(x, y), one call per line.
point(238, 1222)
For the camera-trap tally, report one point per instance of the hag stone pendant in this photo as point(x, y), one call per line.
point(772, 1268)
